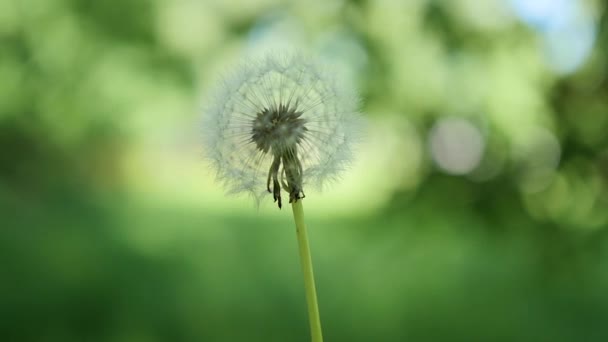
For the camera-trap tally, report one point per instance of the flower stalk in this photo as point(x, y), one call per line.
point(309, 278)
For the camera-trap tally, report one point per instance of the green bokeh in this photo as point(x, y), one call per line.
point(112, 228)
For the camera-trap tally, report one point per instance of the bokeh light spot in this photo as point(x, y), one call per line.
point(456, 145)
point(538, 152)
point(345, 52)
point(180, 23)
point(275, 31)
point(566, 28)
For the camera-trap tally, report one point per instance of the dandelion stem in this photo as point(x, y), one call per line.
point(309, 278)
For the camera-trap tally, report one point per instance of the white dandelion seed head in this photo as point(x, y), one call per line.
point(282, 121)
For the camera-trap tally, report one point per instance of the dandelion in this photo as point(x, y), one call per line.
point(282, 123)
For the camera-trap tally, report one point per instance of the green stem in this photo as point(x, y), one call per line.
point(309, 278)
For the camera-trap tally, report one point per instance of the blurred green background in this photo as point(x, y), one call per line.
point(476, 210)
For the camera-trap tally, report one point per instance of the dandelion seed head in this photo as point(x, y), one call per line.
point(281, 122)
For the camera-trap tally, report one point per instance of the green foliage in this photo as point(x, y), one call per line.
point(97, 101)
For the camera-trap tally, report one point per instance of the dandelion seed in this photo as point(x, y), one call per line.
point(280, 123)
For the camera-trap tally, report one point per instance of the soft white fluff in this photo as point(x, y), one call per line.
point(329, 107)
